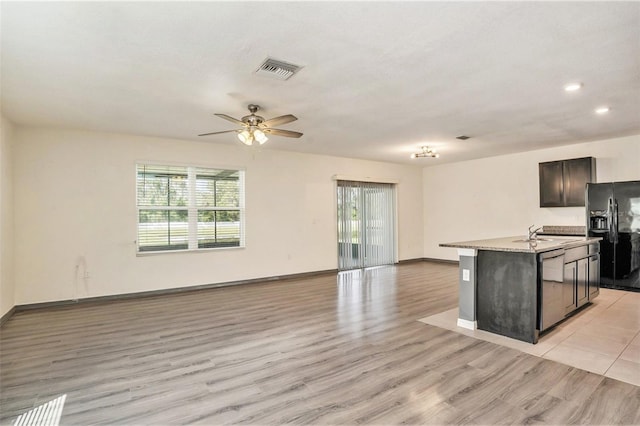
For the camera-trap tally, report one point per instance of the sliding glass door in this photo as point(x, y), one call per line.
point(366, 224)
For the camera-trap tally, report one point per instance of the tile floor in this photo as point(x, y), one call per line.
point(603, 338)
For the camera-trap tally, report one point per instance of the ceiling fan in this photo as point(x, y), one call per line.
point(256, 128)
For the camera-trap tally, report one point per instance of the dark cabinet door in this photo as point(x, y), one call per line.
point(582, 282)
point(594, 276)
point(564, 183)
point(551, 184)
point(569, 287)
point(577, 173)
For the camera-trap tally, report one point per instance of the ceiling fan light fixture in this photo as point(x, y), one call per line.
point(260, 136)
point(255, 128)
point(245, 137)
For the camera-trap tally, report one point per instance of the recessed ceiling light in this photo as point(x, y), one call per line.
point(572, 87)
point(602, 110)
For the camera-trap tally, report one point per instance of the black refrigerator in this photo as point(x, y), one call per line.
point(613, 213)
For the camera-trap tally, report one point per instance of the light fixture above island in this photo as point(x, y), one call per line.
point(426, 152)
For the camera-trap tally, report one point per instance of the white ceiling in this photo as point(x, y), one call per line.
point(379, 80)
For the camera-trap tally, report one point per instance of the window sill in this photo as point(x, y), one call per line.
point(204, 250)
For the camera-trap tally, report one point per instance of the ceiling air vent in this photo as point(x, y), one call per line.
point(277, 69)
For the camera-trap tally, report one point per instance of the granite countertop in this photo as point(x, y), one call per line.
point(579, 231)
point(518, 243)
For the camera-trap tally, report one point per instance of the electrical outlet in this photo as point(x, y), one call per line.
point(465, 275)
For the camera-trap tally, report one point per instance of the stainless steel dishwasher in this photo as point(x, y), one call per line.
point(551, 306)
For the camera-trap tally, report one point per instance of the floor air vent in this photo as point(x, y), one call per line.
point(277, 69)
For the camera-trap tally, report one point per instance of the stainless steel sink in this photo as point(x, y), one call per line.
point(525, 240)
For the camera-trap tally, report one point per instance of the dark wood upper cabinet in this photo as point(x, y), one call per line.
point(563, 183)
point(577, 173)
point(551, 184)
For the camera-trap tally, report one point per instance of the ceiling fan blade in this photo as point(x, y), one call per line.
point(217, 133)
point(280, 132)
point(283, 119)
point(231, 119)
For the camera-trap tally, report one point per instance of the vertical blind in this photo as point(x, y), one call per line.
point(366, 224)
point(189, 208)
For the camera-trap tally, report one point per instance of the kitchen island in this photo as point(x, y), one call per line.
point(519, 288)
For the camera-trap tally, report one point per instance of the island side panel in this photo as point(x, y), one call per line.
point(467, 289)
point(507, 294)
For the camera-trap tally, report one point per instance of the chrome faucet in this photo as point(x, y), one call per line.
point(533, 235)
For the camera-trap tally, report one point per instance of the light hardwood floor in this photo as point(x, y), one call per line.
point(321, 350)
point(603, 337)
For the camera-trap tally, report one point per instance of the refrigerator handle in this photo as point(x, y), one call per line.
point(610, 219)
point(615, 221)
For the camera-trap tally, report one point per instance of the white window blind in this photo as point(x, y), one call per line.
point(189, 208)
point(366, 224)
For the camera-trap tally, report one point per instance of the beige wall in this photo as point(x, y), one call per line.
point(498, 196)
point(73, 199)
point(75, 215)
point(6, 217)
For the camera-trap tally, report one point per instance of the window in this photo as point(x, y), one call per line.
point(189, 208)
